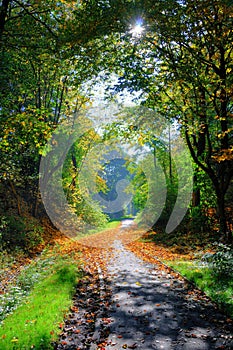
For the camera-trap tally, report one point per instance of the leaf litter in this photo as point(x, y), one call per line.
point(138, 303)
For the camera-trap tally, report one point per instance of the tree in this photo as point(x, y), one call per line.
point(36, 89)
point(183, 62)
point(76, 191)
point(198, 67)
point(3, 15)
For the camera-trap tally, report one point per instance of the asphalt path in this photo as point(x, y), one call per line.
point(151, 309)
point(138, 305)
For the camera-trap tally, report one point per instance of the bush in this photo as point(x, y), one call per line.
point(27, 278)
point(19, 233)
point(199, 222)
point(91, 214)
point(221, 262)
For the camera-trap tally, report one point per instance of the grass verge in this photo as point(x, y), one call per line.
point(218, 288)
point(38, 321)
point(108, 226)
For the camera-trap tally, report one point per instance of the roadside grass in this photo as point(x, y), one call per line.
point(187, 254)
point(217, 287)
point(110, 225)
point(24, 279)
point(37, 322)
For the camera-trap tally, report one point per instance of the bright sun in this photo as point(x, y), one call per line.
point(137, 30)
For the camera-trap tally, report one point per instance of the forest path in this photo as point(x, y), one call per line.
point(141, 306)
point(153, 310)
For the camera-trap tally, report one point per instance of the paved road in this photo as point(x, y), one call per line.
point(139, 306)
point(153, 310)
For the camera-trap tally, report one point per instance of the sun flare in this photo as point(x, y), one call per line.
point(137, 29)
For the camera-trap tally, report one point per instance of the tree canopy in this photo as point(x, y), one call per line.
point(179, 60)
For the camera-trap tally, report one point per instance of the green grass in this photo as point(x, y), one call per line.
point(110, 225)
point(220, 290)
point(35, 324)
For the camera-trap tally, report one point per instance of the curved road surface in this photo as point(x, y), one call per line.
point(152, 310)
point(148, 309)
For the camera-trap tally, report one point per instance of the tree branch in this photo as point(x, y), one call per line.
point(37, 19)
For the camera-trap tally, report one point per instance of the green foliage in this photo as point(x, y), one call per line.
point(27, 278)
point(35, 324)
point(217, 287)
point(91, 214)
point(170, 201)
point(38, 89)
point(199, 220)
point(190, 80)
point(20, 233)
point(71, 42)
point(204, 184)
point(221, 262)
point(140, 187)
point(81, 200)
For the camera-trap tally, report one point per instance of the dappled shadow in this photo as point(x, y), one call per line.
point(80, 323)
point(139, 306)
point(153, 310)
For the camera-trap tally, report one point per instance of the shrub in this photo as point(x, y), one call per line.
point(221, 262)
point(17, 232)
point(199, 222)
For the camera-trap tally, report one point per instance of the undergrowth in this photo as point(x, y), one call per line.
point(17, 232)
point(207, 264)
point(109, 225)
point(217, 287)
point(27, 278)
point(180, 241)
point(34, 309)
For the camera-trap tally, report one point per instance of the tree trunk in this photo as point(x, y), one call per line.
point(36, 201)
point(17, 197)
point(3, 15)
point(170, 154)
point(154, 154)
point(196, 197)
point(221, 213)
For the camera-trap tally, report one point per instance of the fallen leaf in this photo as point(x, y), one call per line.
point(14, 340)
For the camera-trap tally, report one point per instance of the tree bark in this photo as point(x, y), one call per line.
point(3, 15)
point(196, 197)
point(221, 213)
point(17, 197)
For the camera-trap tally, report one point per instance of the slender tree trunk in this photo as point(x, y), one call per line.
point(17, 197)
point(170, 154)
point(196, 197)
point(221, 213)
point(3, 15)
point(36, 201)
point(154, 154)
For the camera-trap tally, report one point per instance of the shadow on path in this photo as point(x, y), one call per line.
point(139, 306)
point(153, 310)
